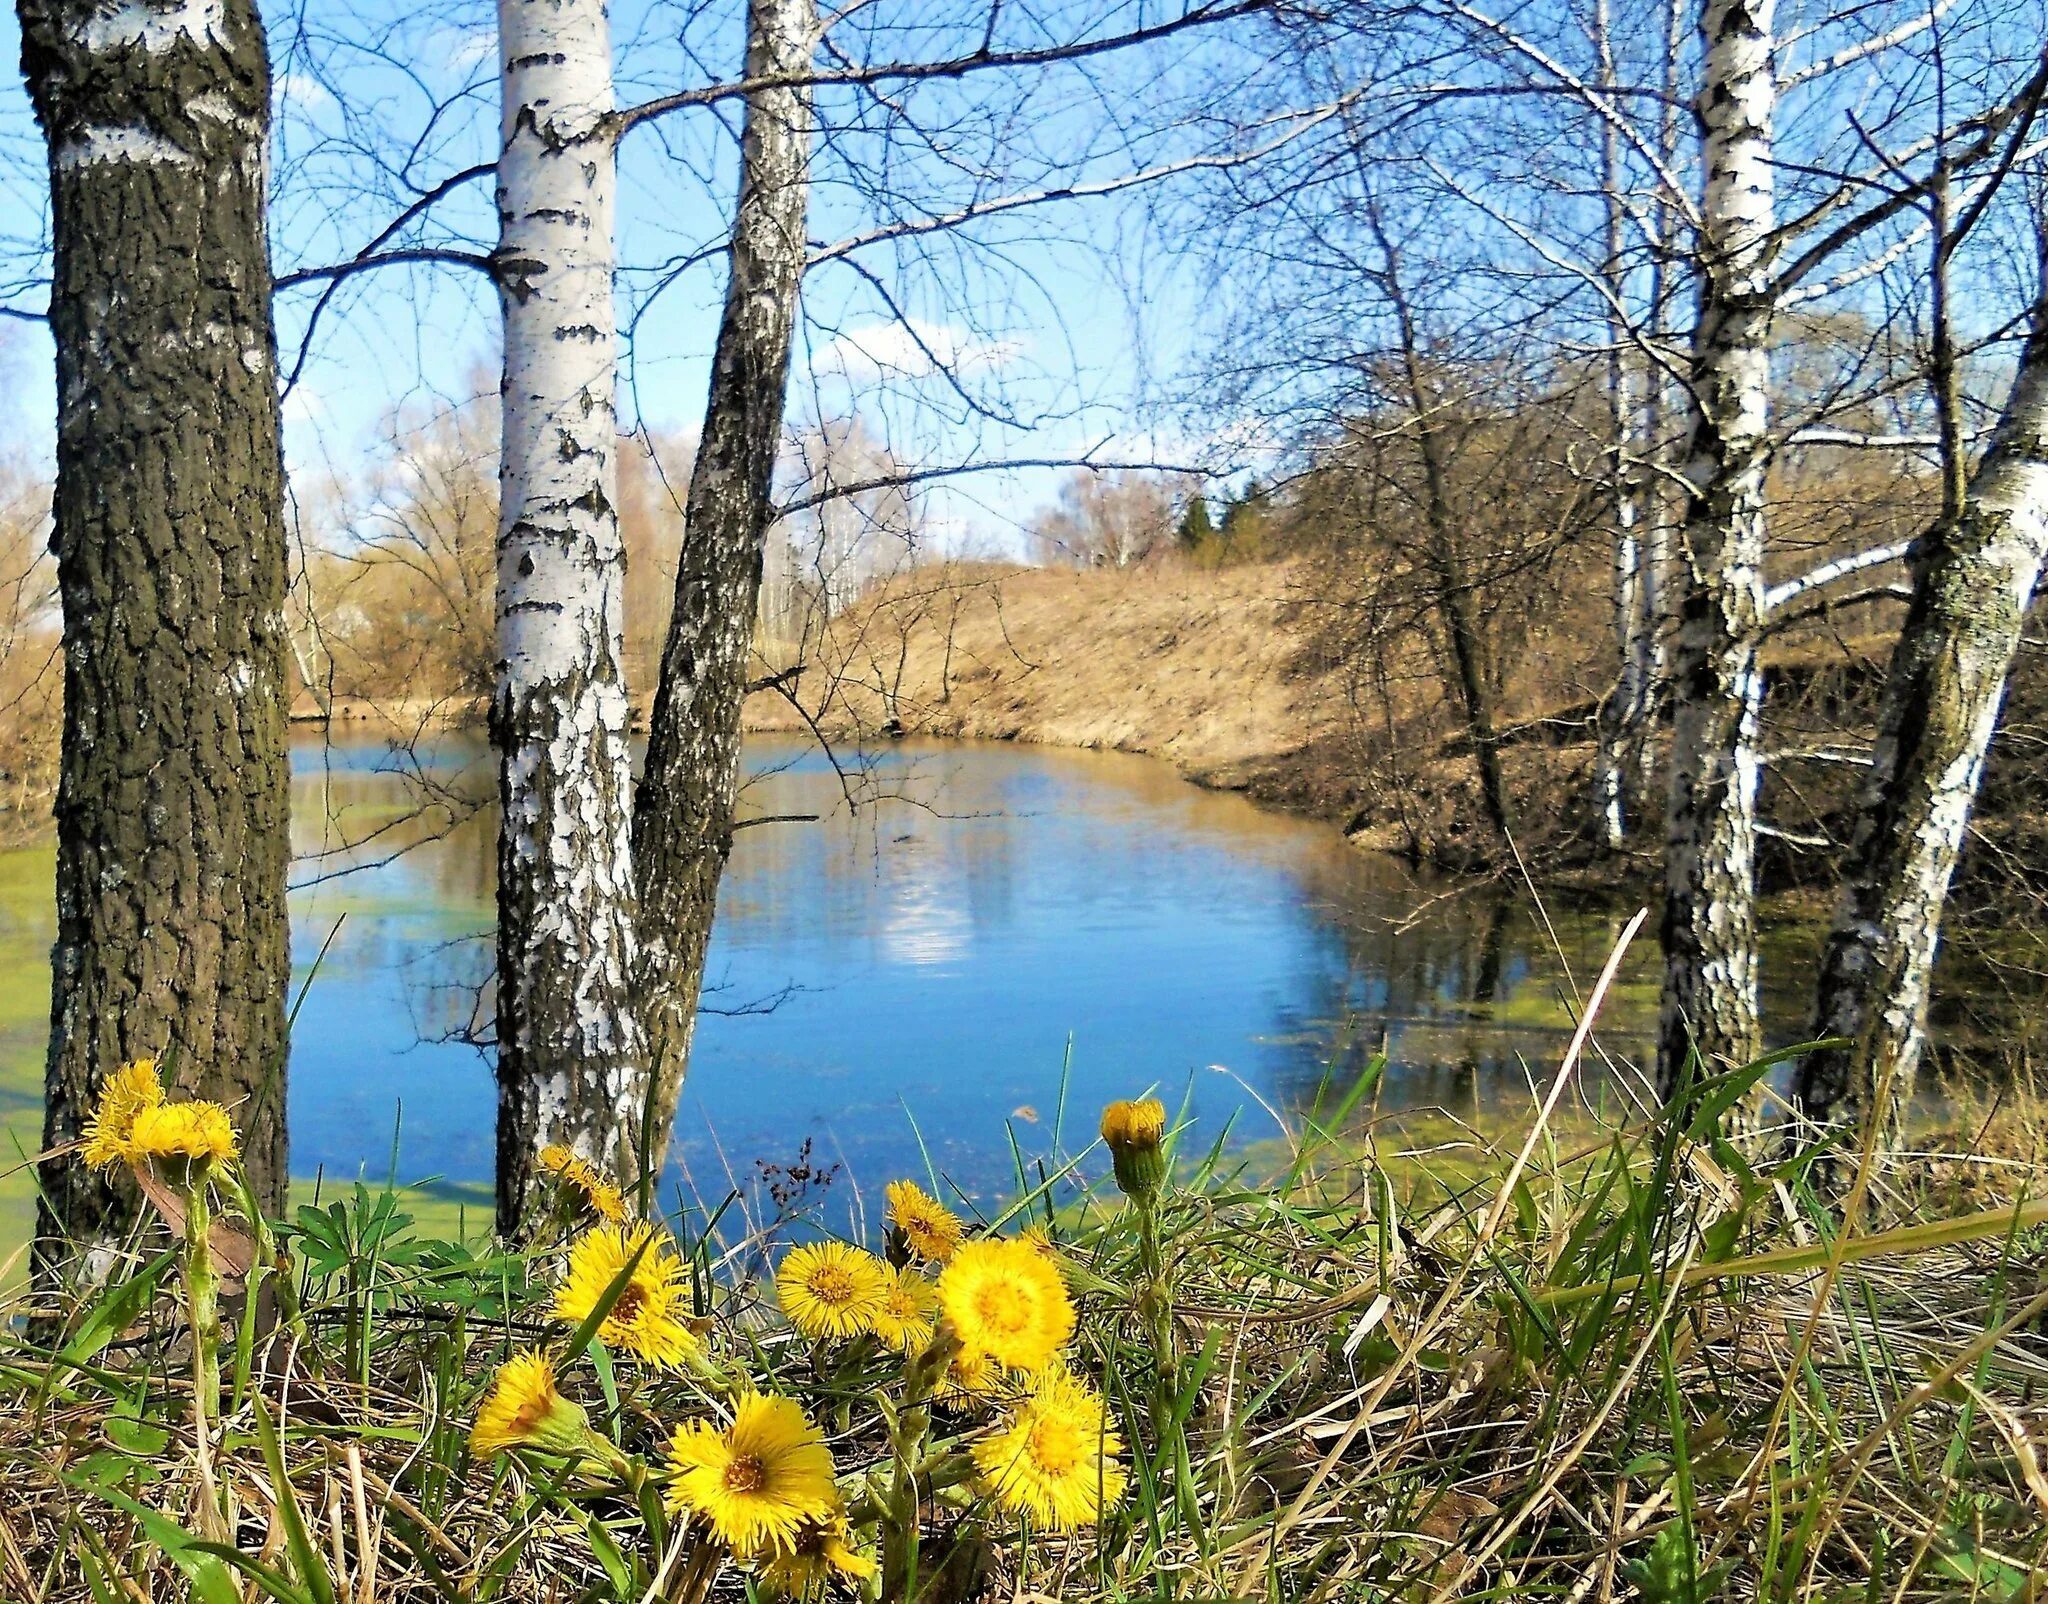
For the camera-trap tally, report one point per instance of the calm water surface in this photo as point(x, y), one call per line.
point(929, 963)
point(922, 967)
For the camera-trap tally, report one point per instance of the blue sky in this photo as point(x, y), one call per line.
point(1068, 328)
point(1048, 350)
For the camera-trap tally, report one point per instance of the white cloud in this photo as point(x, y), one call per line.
point(911, 348)
point(300, 92)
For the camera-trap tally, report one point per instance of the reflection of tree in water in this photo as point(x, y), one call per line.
point(1465, 995)
point(923, 859)
point(420, 806)
point(972, 894)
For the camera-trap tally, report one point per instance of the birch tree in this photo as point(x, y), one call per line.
point(606, 907)
point(172, 837)
point(572, 1058)
point(1625, 713)
point(1710, 999)
point(1974, 575)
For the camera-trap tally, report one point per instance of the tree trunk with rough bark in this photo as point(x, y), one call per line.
point(1709, 916)
point(172, 810)
point(683, 820)
point(572, 1056)
point(1973, 577)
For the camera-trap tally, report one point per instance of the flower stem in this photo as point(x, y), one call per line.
point(910, 1426)
point(202, 1314)
point(1155, 1308)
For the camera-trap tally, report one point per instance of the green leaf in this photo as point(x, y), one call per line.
point(305, 1555)
point(141, 1437)
point(120, 1308)
point(1670, 1573)
point(196, 1561)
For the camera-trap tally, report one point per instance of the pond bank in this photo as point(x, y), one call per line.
point(1216, 671)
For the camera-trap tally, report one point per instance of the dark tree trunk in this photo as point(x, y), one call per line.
point(682, 826)
point(172, 827)
point(1456, 602)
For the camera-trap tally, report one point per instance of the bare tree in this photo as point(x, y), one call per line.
point(1626, 711)
point(31, 652)
point(854, 528)
point(1710, 998)
point(171, 815)
point(682, 825)
point(1109, 519)
point(1974, 574)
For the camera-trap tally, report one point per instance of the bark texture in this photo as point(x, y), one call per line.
point(1625, 714)
point(572, 1058)
point(1973, 577)
point(682, 827)
point(172, 824)
point(1709, 915)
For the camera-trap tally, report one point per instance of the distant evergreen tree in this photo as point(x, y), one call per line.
point(1243, 521)
point(1196, 533)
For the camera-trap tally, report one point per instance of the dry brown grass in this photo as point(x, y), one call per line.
point(1204, 667)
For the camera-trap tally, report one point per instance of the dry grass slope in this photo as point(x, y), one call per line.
point(1203, 668)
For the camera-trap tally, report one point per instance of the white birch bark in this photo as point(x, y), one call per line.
point(572, 1061)
point(1625, 712)
point(1972, 582)
point(1661, 505)
point(1709, 917)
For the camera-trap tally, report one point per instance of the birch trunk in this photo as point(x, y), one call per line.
point(572, 1059)
point(683, 821)
point(1973, 578)
point(1709, 917)
point(172, 805)
point(1624, 714)
point(1659, 504)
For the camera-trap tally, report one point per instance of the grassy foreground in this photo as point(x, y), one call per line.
point(1642, 1368)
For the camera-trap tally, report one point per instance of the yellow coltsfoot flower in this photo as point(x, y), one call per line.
point(1135, 1132)
point(830, 1290)
point(816, 1557)
point(930, 1229)
point(194, 1132)
point(757, 1483)
point(650, 1319)
point(970, 1378)
point(908, 1313)
point(1054, 1457)
point(581, 1177)
point(123, 1096)
point(524, 1410)
point(1006, 1300)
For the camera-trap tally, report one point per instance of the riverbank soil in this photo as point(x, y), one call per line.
point(1202, 667)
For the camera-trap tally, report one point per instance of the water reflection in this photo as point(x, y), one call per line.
point(913, 972)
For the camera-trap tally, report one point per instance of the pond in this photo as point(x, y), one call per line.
point(963, 936)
